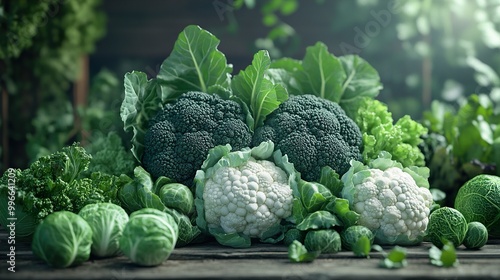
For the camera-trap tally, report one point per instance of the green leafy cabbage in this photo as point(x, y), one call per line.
point(62, 239)
point(139, 193)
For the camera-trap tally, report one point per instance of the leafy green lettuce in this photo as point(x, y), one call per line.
point(462, 142)
point(380, 133)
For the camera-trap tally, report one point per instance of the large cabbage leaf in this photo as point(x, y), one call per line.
point(344, 80)
point(257, 91)
point(195, 63)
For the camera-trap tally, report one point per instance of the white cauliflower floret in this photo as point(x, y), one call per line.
point(391, 204)
point(247, 199)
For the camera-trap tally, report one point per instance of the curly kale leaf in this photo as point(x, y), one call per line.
point(109, 156)
point(53, 183)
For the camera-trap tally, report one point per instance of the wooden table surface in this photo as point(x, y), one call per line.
point(262, 261)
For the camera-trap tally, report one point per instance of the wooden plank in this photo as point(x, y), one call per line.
point(262, 261)
point(120, 268)
point(269, 251)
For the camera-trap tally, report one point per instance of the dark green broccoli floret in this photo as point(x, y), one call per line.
point(313, 132)
point(179, 137)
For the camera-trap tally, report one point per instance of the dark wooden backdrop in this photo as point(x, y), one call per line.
point(141, 34)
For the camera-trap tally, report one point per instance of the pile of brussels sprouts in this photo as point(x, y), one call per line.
point(65, 239)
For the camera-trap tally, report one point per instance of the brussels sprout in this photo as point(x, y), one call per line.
point(149, 237)
point(446, 223)
point(177, 196)
point(352, 234)
point(292, 235)
point(62, 239)
point(107, 221)
point(325, 241)
point(476, 236)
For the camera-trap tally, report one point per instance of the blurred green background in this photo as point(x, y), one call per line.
point(62, 62)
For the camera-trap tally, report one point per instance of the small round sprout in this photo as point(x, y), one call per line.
point(324, 240)
point(446, 223)
point(293, 234)
point(476, 236)
point(177, 196)
point(352, 234)
point(149, 237)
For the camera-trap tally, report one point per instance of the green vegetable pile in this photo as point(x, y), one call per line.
point(53, 183)
point(479, 201)
point(65, 239)
point(293, 152)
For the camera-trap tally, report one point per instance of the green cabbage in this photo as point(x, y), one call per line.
point(149, 237)
point(479, 200)
point(62, 239)
point(323, 240)
point(446, 224)
point(107, 221)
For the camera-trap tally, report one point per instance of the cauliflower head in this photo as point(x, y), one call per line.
point(244, 194)
point(248, 199)
point(390, 203)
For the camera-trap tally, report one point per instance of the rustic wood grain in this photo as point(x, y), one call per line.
point(261, 261)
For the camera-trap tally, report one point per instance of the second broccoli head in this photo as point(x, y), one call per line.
point(179, 137)
point(314, 133)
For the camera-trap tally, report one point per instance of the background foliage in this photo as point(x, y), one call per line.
point(423, 50)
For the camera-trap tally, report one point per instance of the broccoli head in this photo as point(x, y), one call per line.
point(179, 136)
point(314, 133)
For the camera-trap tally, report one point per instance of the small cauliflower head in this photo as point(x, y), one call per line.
point(247, 199)
point(390, 203)
point(244, 194)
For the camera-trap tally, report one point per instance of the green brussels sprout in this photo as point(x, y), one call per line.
point(324, 240)
point(177, 196)
point(107, 221)
point(476, 236)
point(446, 223)
point(62, 239)
point(479, 201)
point(352, 234)
point(149, 237)
point(292, 235)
